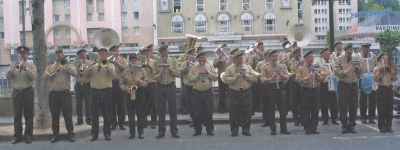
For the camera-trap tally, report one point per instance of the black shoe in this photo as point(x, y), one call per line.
point(325, 123)
point(252, 114)
point(382, 131)
point(175, 135)
point(131, 136)
point(273, 132)
point(153, 126)
point(352, 130)
point(344, 130)
point(71, 138)
point(113, 127)
point(28, 140)
point(372, 121)
point(264, 125)
point(122, 127)
point(285, 132)
point(16, 140)
point(93, 138)
point(221, 110)
point(335, 122)
point(197, 133)
point(107, 137)
point(141, 136)
point(160, 135)
point(79, 123)
point(308, 132)
point(234, 134)
point(210, 133)
point(297, 123)
point(246, 133)
point(191, 124)
point(389, 130)
point(89, 123)
point(314, 132)
point(364, 121)
point(54, 139)
point(184, 111)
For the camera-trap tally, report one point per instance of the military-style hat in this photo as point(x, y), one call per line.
point(223, 45)
point(296, 49)
point(380, 55)
point(260, 43)
point(347, 46)
point(80, 51)
point(145, 49)
point(163, 47)
point(149, 46)
point(114, 46)
point(59, 51)
point(95, 49)
point(266, 52)
point(285, 43)
point(272, 52)
point(201, 54)
point(199, 48)
point(308, 53)
point(366, 44)
point(294, 43)
point(325, 49)
point(23, 50)
point(132, 56)
point(237, 54)
point(338, 43)
point(191, 50)
point(102, 50)
point(233, 51)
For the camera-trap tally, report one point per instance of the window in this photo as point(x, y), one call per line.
point(246, 22)
point(1, 35)
point(344, 2)
point(66, 4)
point(125, 31)
point(89, 17)
point(56, 4)
point(136, 31)
point(124, 2)
point(269, 22)
point(56, 18)
point(1, 6)
point(57, 33)
point(319, 2)
point(100, 3)
point(136, 1)
point(90, 33)
point(223, 23)
point(320, 37)
point(124, 16)
point(68, 33)
point(177, 24)
point(246, 6)
point(101, 16)
point(136, 15)
point(200, 5)
point(131, 44)
point(223, 5)
point(67, 18)
point(164, 6)
point(90, 3)
point(177, 5)
point(1, 21)
point(200, 24)
point(269, 4)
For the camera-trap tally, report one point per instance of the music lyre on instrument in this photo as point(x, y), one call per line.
point(164, 66)
point(354, 63)
point(313, 68)
point(331, 79)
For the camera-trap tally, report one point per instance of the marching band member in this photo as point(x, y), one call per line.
point(221, 63)
point(263, 98)
point(187, 86)
point(252, 60)
point(294, 87)
point(338, 51)
point(82, 89)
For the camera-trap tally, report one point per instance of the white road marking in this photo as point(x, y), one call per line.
point(368, 126)
point(365, 137)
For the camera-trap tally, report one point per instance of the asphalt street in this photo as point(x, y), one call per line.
point(367, 137)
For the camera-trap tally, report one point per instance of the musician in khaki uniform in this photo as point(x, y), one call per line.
point(310, 80)
point(22, 76)
point(202, 75)
point(152, 55)
point(82, 89)
point(385, 74)
point(367, 101)
point(185, 102)
point(286, 54)
point(239, 94)
point(294, 87)
point(166, 91)
point(134, 81)
point(275, 94)
point(348, 75)
point(184, 69)
point(101, 94)
point(328, 98)
point(262, 87)
point(338, 51)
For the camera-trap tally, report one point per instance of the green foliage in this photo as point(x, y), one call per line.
point(328, 39)
point(374, 5)
point(388, 41)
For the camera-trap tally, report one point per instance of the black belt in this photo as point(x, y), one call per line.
point(241, 90)
point(202, 91)
point(350, 84)
point(63, 91)
point(308, 88)
point(381, 86)
point(100, 90)
point(171, 84)
point(23, 89)
point(82, 83)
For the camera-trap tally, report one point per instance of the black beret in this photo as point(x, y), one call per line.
point(163, 47)
point(59, 51)
point(296, 49)
point(380, 55)
point(102, 50)
point(272, 52)
point(201, 54)
point(308, 53)
point(285, 43)
point(237, 54)
point(347, 46)
point(366, 44)
point(294, 43)
point(338, 43)
point(191, 50)
point(23, 50)
point(132, 56)
point(260, 43)
point(199, 48)
point(113, 47)
point(233, 51)
point(149, 46)
point(95, 49)
point(80, 51)
point(325, 49)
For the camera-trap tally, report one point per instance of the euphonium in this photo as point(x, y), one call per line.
point(104, 61)
point(133, 89)
point(62, 62)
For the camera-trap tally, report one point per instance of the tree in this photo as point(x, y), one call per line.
point(388, 41)
point(42, 118)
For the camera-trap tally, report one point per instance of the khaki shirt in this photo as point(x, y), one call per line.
point(82, 78)
point(260, 65)
point(325, 68)
point(123, 64)
point(181, 59)
point(150, 71)
point(293, 65)
point(334, 55)
point(385, 78)
point(372, 63)
point(234, 84)
point(155, 57)
point(100, 77)
point(302, 77)
point(184, 71)
point(220, 65)
point(127, 78)
point(21, 78)
point(169, 76)
point(252, 59)
point(60, 79)
point(268, 70)
point(197, 80)
point(340, 69)
point(284, 57)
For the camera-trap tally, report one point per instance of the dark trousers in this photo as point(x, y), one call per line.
point(222, 89)
point(295, 98)
point(23, 102)
point(166, 93)
point(188, 99)
point(347, 100)
point(276, 96)
point(136, 106)
point(367, 103)
point(240, 110)
point(101, 102)
point(150, 100)
point(264, 99)
point(310, 108)
point(384, 96)
point(203, 112)
point(288, 100)
point(82, 94)
point(183, 95)
point(256, 97)
point(328, 101)
point(117, 104)
point(61, 101)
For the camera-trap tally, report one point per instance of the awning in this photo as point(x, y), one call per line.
point(246, 17)
point(269, 16)
point(223, 17)
point(200, 18)
point(177, 18)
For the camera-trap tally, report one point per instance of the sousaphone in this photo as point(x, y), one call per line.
point(300, 33)
point(106, 38)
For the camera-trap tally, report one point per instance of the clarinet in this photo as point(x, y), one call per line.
point(202, 66)
point(275, 68)
point(133, 88)
point(241, 78)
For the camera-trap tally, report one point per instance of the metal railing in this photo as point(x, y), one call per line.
point(5, 87)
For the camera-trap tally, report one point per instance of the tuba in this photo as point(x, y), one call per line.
point(106, 38)
point(300, 33)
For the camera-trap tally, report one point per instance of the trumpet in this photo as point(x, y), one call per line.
point(133, 89)
point(104, 61)
point(277, 80)
point(19, 65)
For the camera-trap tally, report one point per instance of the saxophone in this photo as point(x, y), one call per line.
point(133, 88)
